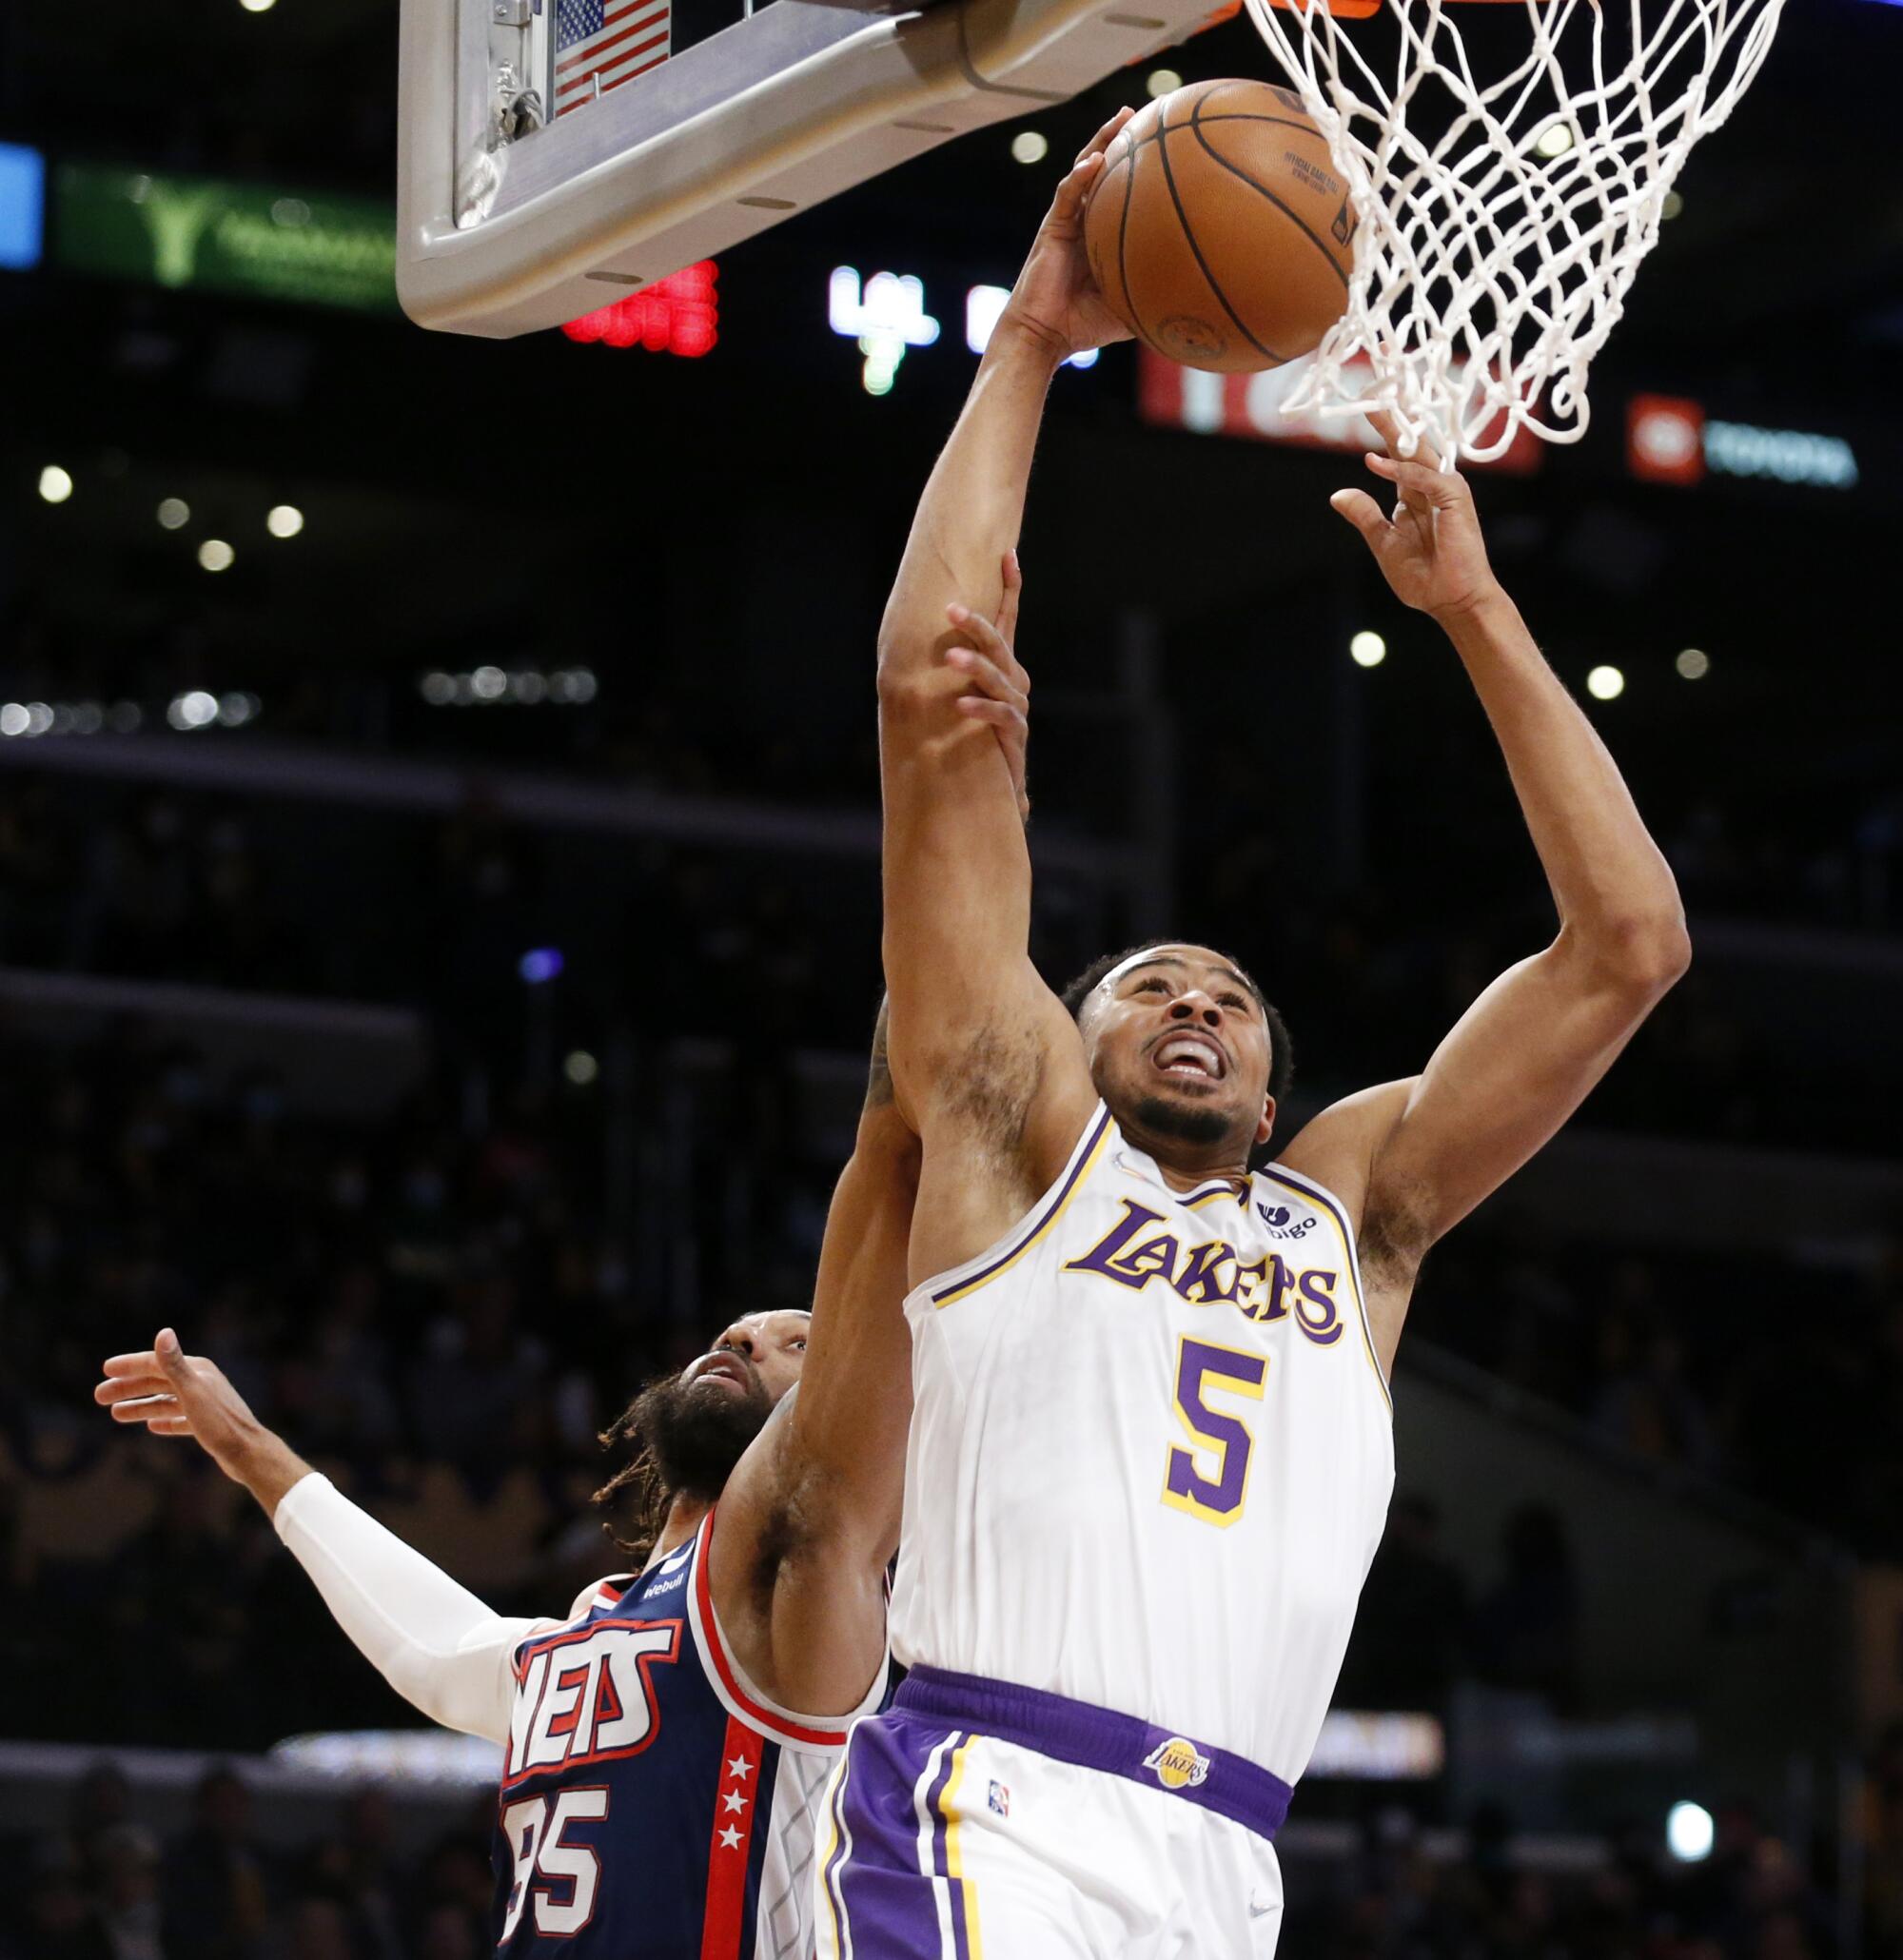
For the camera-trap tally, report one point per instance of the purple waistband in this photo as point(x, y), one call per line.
point(1095, 1738)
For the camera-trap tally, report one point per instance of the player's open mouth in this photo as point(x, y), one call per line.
point(725, 1368)
point(1191, 1058)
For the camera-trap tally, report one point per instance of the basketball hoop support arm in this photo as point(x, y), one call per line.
point(771, 115)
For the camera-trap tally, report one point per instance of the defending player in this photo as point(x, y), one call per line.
point(1151, 1452)
point(667, 1742)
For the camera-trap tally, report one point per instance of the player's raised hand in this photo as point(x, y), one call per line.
point(1430, 550)
point(1055, 297)
point(1002, 700)
point(173, 1392)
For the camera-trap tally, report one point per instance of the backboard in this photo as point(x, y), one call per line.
point(554, 154)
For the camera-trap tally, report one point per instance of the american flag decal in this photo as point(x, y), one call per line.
point(601, 44)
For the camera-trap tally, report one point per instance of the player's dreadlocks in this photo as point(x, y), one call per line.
point(635, 1499)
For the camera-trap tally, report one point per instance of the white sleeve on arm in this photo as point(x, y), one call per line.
point(437, 1645)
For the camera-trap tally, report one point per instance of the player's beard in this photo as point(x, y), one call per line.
point(694, 1432)
point(1185, 1123)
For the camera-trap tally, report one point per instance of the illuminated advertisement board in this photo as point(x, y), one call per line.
point(231, 238)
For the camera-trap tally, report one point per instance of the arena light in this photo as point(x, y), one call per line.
point(1360, 1747)
point(526, 687)
point(283, 521)
point(1605, 683)
point(1554, 141)
point(1690, 1832)
point(23, 205)
point(1029, 146)
point(256, 5)
point(580, 1068)
point(174, 513)
point(428, 1759)
point(216, 556)
point(55, 485)
point(540, 965)
point(1692, 665)
point(31, 719)
point(1367, 650)
point(886, 316)
point(192, 711)
point(1675, 201)
point(983, 307)
point(1162, 82)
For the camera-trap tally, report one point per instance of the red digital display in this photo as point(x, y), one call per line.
point(679, 314)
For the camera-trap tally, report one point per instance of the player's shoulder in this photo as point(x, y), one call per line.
point(603, 1592)
point(623, 1588)
point(1337, 1148)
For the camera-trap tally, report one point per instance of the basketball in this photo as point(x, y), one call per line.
point(1218, 229)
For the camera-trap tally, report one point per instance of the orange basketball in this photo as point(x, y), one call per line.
point(1220, 230)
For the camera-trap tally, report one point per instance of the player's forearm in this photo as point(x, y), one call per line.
point(845, 1460)
point(1617, 898)
point(970, 513)
point(437, 1645)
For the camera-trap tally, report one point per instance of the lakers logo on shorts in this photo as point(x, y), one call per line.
point(1179, 1765)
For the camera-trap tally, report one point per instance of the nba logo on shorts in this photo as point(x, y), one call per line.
point(1179, 1765)
point(1000, 1799)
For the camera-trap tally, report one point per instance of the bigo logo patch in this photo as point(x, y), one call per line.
point(1179, 1765)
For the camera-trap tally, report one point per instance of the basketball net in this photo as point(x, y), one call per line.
point(1499, 220)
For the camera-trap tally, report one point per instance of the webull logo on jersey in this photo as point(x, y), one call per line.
point(1179, 1764)
point(1133, 1252)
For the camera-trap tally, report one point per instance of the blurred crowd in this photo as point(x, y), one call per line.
point(107, 1887)
point(97, 1884)
point(163, 884)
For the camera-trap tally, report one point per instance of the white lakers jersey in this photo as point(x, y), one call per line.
point(1151, 1454)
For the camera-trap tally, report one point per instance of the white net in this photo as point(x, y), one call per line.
point(1506, 184)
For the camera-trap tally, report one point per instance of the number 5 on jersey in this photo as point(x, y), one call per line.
point(1202, 1366)
point(534, 1828)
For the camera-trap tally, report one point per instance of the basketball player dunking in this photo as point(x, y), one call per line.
point(666, 1743)
point(1151, 1452)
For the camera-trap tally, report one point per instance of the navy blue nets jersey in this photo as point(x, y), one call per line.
point(654, 1805)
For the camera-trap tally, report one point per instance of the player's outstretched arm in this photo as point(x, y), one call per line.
point(972, 1026)
point(810, 1517)
point(1522, 1058)
point(437, 1646)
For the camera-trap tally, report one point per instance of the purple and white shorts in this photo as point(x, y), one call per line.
point(976, 1820)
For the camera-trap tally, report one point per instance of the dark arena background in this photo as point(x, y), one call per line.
point(439, 942)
